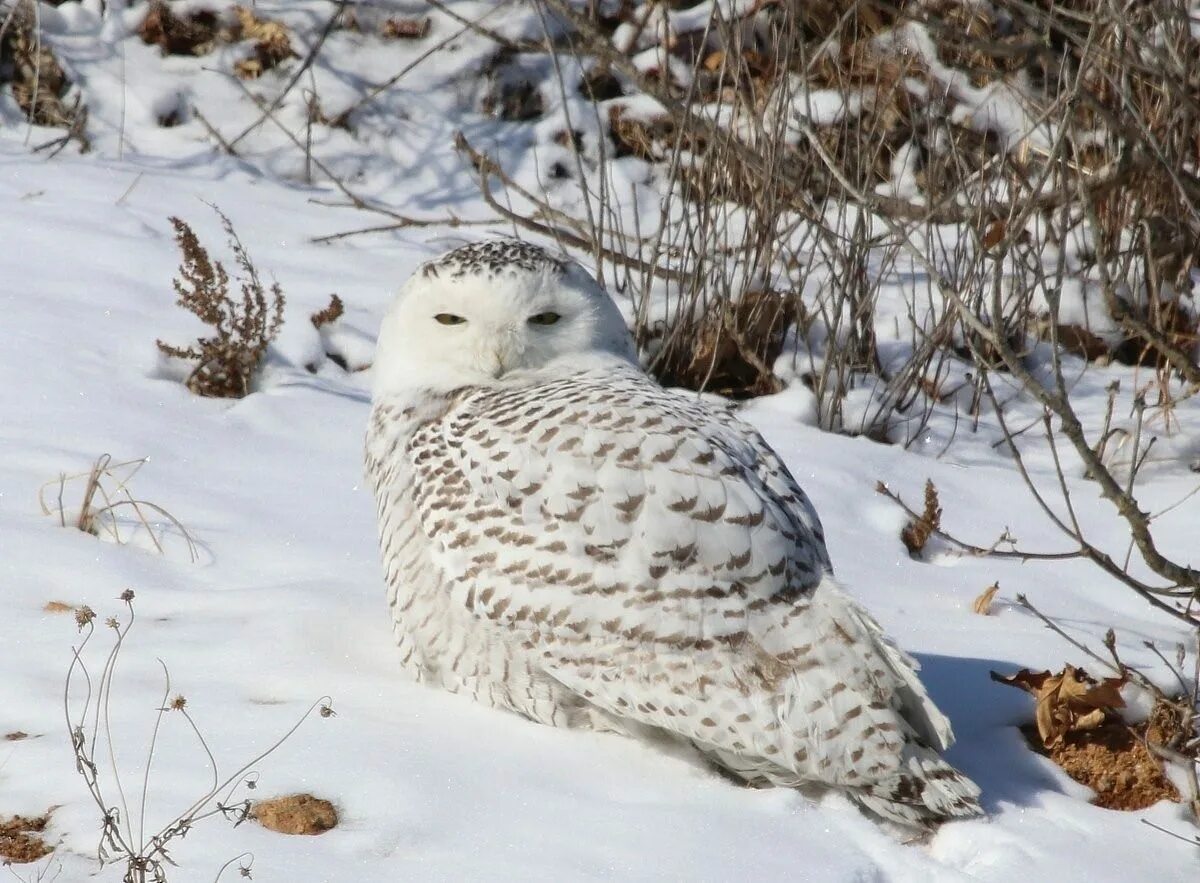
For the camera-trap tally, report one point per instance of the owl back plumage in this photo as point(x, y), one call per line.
point(588, 549)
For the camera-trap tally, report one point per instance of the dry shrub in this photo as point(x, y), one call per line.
point(39, 84)
point(146, 854)
point(199, 31)
point(599, 84)
point(915, 535)
point(729, 350)
point(974, 39)
point(195, 33)
point(511, 94)
point(104, 496)
point(272, 45)
point(295, 814)
point(632, 136)
point(1075, 339)
point(21, 841)
point(244, 327)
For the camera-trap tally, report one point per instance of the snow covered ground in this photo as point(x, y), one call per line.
point(285, 601)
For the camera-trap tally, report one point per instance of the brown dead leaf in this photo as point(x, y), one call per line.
point(1069, 701)
point(15, 736)
point(404, 28)
point(272, 45)
point(58, 607)
point(983, 604)
point(995, 232)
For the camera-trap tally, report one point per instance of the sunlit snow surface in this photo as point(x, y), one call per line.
point(286, 601)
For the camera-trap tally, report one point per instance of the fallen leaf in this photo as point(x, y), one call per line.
point(58, 607)
point(1069, 701)
point(994, 234)
point(404, 28)
point(983, 604)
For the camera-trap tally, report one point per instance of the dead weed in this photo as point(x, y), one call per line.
point(243, 328)
point(21, 839)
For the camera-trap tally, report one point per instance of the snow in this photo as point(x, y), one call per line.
point(285, 602)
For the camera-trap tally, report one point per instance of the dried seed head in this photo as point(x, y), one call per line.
point(112, 623)
point(178, 703)
point(327, 711)
point(84, 616)
point(126, 596)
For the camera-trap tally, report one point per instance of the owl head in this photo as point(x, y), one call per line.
point(491, 313)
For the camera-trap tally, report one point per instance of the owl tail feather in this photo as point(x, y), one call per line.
point(923, 793)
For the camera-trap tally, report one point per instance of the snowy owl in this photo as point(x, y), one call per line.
point(565, 539)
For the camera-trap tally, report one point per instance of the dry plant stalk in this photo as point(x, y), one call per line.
point(106, 493)
point(243, 328)
point(330, 314)
point(125, 837)
point(915, 535)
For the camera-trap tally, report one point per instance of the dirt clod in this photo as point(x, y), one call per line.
point(21, 841)
point(295, 814)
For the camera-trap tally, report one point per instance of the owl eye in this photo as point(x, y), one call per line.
point(548, 318)
point(449, 319)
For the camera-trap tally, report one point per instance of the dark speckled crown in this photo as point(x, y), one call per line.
point(492, 258)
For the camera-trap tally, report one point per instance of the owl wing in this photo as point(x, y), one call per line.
point(661, 562)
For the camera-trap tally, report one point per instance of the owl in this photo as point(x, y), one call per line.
point(565, 539)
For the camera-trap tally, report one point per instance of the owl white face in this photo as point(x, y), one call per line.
point(492, 312)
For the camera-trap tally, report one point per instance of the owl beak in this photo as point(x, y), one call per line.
point(497, 363)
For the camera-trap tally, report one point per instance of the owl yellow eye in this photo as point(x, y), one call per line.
point(449, 319)
point(548, 318)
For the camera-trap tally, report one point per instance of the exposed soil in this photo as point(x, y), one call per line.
point(295, 814)
point(1113, 761)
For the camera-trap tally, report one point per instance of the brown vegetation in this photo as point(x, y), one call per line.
point(21, 839)
point(243, 328)
point(916, 533)
point(38, 82)
point(199, 31)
